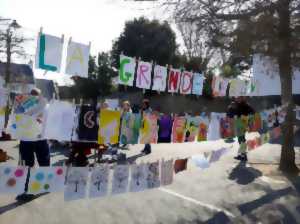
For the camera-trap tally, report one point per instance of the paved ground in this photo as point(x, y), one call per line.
point(227, 192)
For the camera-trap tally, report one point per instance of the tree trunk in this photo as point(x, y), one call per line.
point(287, 160)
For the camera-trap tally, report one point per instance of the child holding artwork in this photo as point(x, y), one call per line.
point(239, 108)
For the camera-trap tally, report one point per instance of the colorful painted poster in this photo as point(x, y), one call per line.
point(223, 87)
point(12, 179)
point(166, 172)
point(143, 75)
point(27, 121)
point(253, 87)
point(49, 53)
point(46, 179)
point(271, 118)
point(152, 170)
point(77, 59)
point(63, 113)
point(180, 165)
point(130, 127)
point(192, 128)
point(237, 88)
point(127, 70)
point(275, 133)
point(76, 183)
point(99, 182)
point(160, 78)
point(109, 127)
point(265, 138)
point(174, 80)
point(198, 80)
point(120, 179)
point(3, 102)
point(203, 129)
point(264, 121)
point(215, 85)
point(165, 124)
point(138, 181)
point(227, 127)
point(178, 130)
point(186, 82)
point(281, 114)
point(87, 124)
point(149, 129)
point(201, 161)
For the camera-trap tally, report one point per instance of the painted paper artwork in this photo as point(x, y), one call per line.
point(201, 161)
point(120, 179)
point(76, 183)
point(264, 121)
point(281, 114)
point(12, 179)
point(49, 53)
point(63, 113)
point(174, 80)
point(237, 88)
point(152, 170)
point(215, 85)
point(77, 59)
point(46, 179)
point(88, 125)
point(178, 129)
point(149, 129)
point(109, 127)
point(216, 155)
point(3, 102)
point(143, 75)
point(130, 128)
point(214, 132)
point(192, 128)
point(27, 121)
point(160, 78)
point(186, 82)
point(227, 127)
point(198, 80)
point(275, 133)
point(265, 138)
point(271, 119)
point(203, 128)
point(99, 181)
point(138, 181)
point(127, 70)
point(166, 172)
point(223, 87)
point(180, 165)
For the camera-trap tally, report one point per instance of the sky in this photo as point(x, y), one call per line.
point(96, 21)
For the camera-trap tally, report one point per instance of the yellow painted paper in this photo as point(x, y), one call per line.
point(109, 127)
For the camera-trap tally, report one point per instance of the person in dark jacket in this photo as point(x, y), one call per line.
point(237, 108)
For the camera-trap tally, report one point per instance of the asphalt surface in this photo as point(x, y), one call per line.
point(227, 192)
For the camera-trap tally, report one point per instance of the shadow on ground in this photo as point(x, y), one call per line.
point(244, 175)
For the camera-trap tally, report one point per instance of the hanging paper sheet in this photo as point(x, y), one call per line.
point(227, 127)
point(178, 130)
point(214, 132)
point(153, 180)
point(174, 80)
point(216, 155)
point(166, 172)
point(198, 84)
point(49, 53)
point(63, 113)
point(120, 179)
point(88, 125)
point(192, 128)
point(139, 176)
point(130, 127)
point(76, 183)
point(46, 179)
point(77, 59)
point(203, 128)
point(201, 161)
point(27, 121)
point(109, 126)
point(12, 179)
point(159, 78)
point(99, 182)
point(127, 70)
point(149, 129)
point(186, 82)
point(143, 75)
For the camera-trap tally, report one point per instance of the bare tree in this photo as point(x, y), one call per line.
point(271, 27)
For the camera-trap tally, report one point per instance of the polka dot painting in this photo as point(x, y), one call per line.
point(12, 179)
